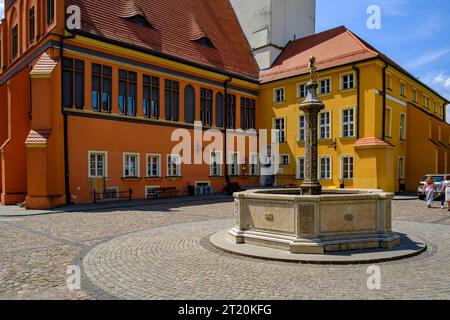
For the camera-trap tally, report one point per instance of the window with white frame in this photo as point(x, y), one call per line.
point(278, 95)
point(426, 102)
point(97, 164)
point(325, 86)
point(280, 126)
point(234, 163)
point(402, 89)
point(301, 128)
point(153, 166)
point(254, 164)
point(435, 107)
point(389, 122)
point(347, 167)
point(401, 168)
point(348, 123)
point(173, 165)
point(389, 81)
point(130, 165)
point(347, 81)
point(325, 168)
point(216, 163)
point(301, 168)
point(402, 126)
point(414, 95)
point(325, 125)
point(284, 159)
point(302, 91)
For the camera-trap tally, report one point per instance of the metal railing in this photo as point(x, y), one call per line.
point(112, 195)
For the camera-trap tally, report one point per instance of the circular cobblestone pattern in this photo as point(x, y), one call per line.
point(177, 262)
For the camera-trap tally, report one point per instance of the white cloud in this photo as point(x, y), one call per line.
point(427, 58)
point(2, 8)
point(442, 82)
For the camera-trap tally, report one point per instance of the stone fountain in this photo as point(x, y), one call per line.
point(310, 220)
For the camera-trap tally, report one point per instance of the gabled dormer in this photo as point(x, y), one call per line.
point(197, 34)
point(132, 12)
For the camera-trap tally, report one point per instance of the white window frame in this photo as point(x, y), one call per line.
point(299, 91)
point(288, 159)
point(276, 96)
point(301, 128)
point(325, 126)
point(389, 123)
point(342, 76)
point(348, 123)
point(329, 86)
point(178, 166)
point(402, 130)
point(132, 154)
point(426, 102)
point(234, 165)
point(389, 81)
point(105, 164)
point(279, 131)
point(298, 175)
point(402, 89)
point(342, 157)
point(401, 173)
point(414, 95)
point(254, 165)
point(218, 161)
point(329, 173)
point(147, 157)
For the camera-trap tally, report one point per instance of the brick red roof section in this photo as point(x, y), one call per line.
point(371, 142)
point(331, 48)
point(45, 65)
point(174, 29)
point(38, 136)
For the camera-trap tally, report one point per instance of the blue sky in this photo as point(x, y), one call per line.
point(414, 33)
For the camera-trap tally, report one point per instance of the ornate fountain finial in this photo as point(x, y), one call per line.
point(312, 68)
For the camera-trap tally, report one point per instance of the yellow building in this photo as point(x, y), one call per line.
point(381, 128)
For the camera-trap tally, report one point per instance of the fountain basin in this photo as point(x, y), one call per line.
point(337, 220)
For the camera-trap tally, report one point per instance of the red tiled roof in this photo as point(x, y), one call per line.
point(38, 136)
point(174, 30)
point(331, 48)
point(45, 65)
point(371, 142)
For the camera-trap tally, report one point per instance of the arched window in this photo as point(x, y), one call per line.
point(189, 104)
point(50, 11)
point(219, 110)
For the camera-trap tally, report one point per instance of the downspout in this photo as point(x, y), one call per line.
point(66, 143)
point(225, 145)
point(358, 96)
point(383, 135)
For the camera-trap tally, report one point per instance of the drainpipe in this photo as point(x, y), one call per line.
point(225, 145)
point(358, 96)
point(383, 135)
point(66, 143)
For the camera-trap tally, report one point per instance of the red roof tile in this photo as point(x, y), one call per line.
point(371, 142)
point(44, 66)
point(174, 31)
point(39, 136)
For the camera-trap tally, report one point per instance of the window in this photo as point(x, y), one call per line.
point(127, 92)
point(301, 168)
point(325, 125)
point(205, 41)
point(401, 168)
point(189, 104)
point(278, 95)
point(325, 168)
point(216, 163)
point(347, 81)
point(279, 126)
point(388, 122)
point(101, 88)
point(50, 11)
point(301, 128)
point(234, 163)
point(153, 166)
point(230, 112)
point(426, 102)
point(284, 159)
point(402, 126)
point(325, 86)
point(151, 192)
point(414, 95)
point(150, 99)
point(206, 106)
point(73, 83)
point(31, 25)
point(173, 165)
point(15, 41)
point(130, 165)
point(219, 110)
point(248, 114)
point(347, 166)
point(97, 164)
point(139, 20)
point(172, 89)
point(389, 81)
point(254, 164)
point(302, 91)
point(435, 107)
point(348, 123)
point(402, 89)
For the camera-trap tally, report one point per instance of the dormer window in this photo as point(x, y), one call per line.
point(139, 20)
point(205, 41)
point(132, 12)
point(198, 35)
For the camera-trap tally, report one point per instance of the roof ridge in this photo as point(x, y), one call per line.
point(363, 43)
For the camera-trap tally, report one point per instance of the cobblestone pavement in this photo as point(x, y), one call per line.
point(163, 253)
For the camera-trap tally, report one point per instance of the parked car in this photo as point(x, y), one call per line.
point(438, 179)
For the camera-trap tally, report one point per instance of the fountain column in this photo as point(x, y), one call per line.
point(311, 106)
